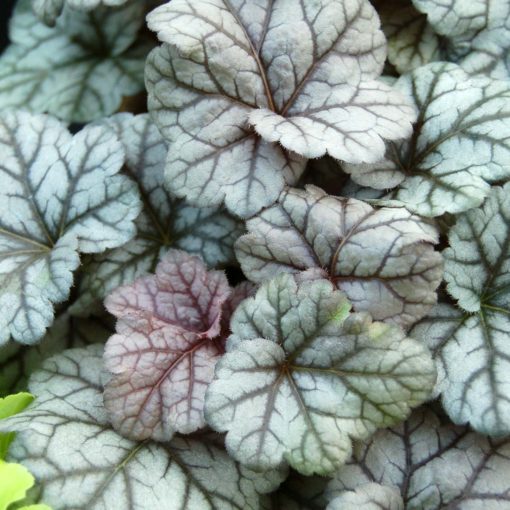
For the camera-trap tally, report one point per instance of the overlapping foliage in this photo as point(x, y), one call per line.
point(238, 288)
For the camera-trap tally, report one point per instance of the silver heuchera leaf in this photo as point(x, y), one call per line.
point(18, 362)
point(49, 10)
point(472, 350)
point(302, 377)
point(79, 462)
point(165, 221)
point(80, 69)
point(169, 337)
point(60, 195)
point(412, 42)
point(461, 142)
point(383, 259)
point(370, 496)
point(299, 73)
point(477, 32)
point(434, 466)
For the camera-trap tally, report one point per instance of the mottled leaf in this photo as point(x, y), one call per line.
point(302, 377)
point(460, 145)
point(477, 31)
point(80, 69)
point(412, 42)
point(370, 496)
point(65, 440)
point(169, 338)
point(383, 259)
point(165, 221)
point(60, 195)
point(304, 75)
point(472, 350)
point(435, 466)
point(49, 10)
point(18, 362)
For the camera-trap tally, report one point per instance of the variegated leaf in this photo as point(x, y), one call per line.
point(299, 73)
point(383, 259)
point(60, 195)
point(302, 377)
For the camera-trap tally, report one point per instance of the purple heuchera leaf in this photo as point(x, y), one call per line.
point(170, 334)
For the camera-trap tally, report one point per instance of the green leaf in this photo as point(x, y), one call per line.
point(15, 480)
point(302, 377)
point(470, 343)
point(434, 466)
point(66, 441)
point(9, 406)
point(60, 196)
point(460, 145)
point(165, 221)
point(80, 69)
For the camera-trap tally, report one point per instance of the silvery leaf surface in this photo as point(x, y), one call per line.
point(303, 377)
point(470, 342)
point(165, 221)
point(60, 195)
point(79, 462)
point(236, 83)
point(460, 145)
point(382, 258)
point(78, 70)
point(477, 33)
point(412, 42)
point(170, 333)
point(370, 496)
point(433, 465)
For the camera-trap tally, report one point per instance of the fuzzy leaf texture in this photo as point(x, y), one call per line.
point(383, 259)
point(65, 440)
point(477, 31)
point(433, 465)
point(60, 196)
point(236, 83)
point(470, 343)
point(164, 222)
point(169, 338)
point(80, 69)
point(302, 377)
point(460, 145)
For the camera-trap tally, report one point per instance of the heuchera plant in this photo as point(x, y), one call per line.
point(255, 255)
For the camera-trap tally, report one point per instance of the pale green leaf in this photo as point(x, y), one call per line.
point(15, 480)
point(60, 195)
point(370, 496)
point(302, 377)
point(9, 406)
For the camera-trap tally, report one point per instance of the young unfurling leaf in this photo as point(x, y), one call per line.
point(65, 440)
point(434, 466)
point(302, 377)
point(78, 70)
point(471, 343)
point(461, 142)
point(169, 337)
point(383, 259)
point(165, 221)
point(60, 195)
point(235, 80)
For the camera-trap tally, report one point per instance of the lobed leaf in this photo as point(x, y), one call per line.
point(65, 440)
point(80, 69)
point(383, 259)
point(370, 496)
point(472, 349)
point(60, 195)
point(302, 377)
point(164, 222)
point(459, 147)
point(296, 73)
point(434, 466)
point(170, 334)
